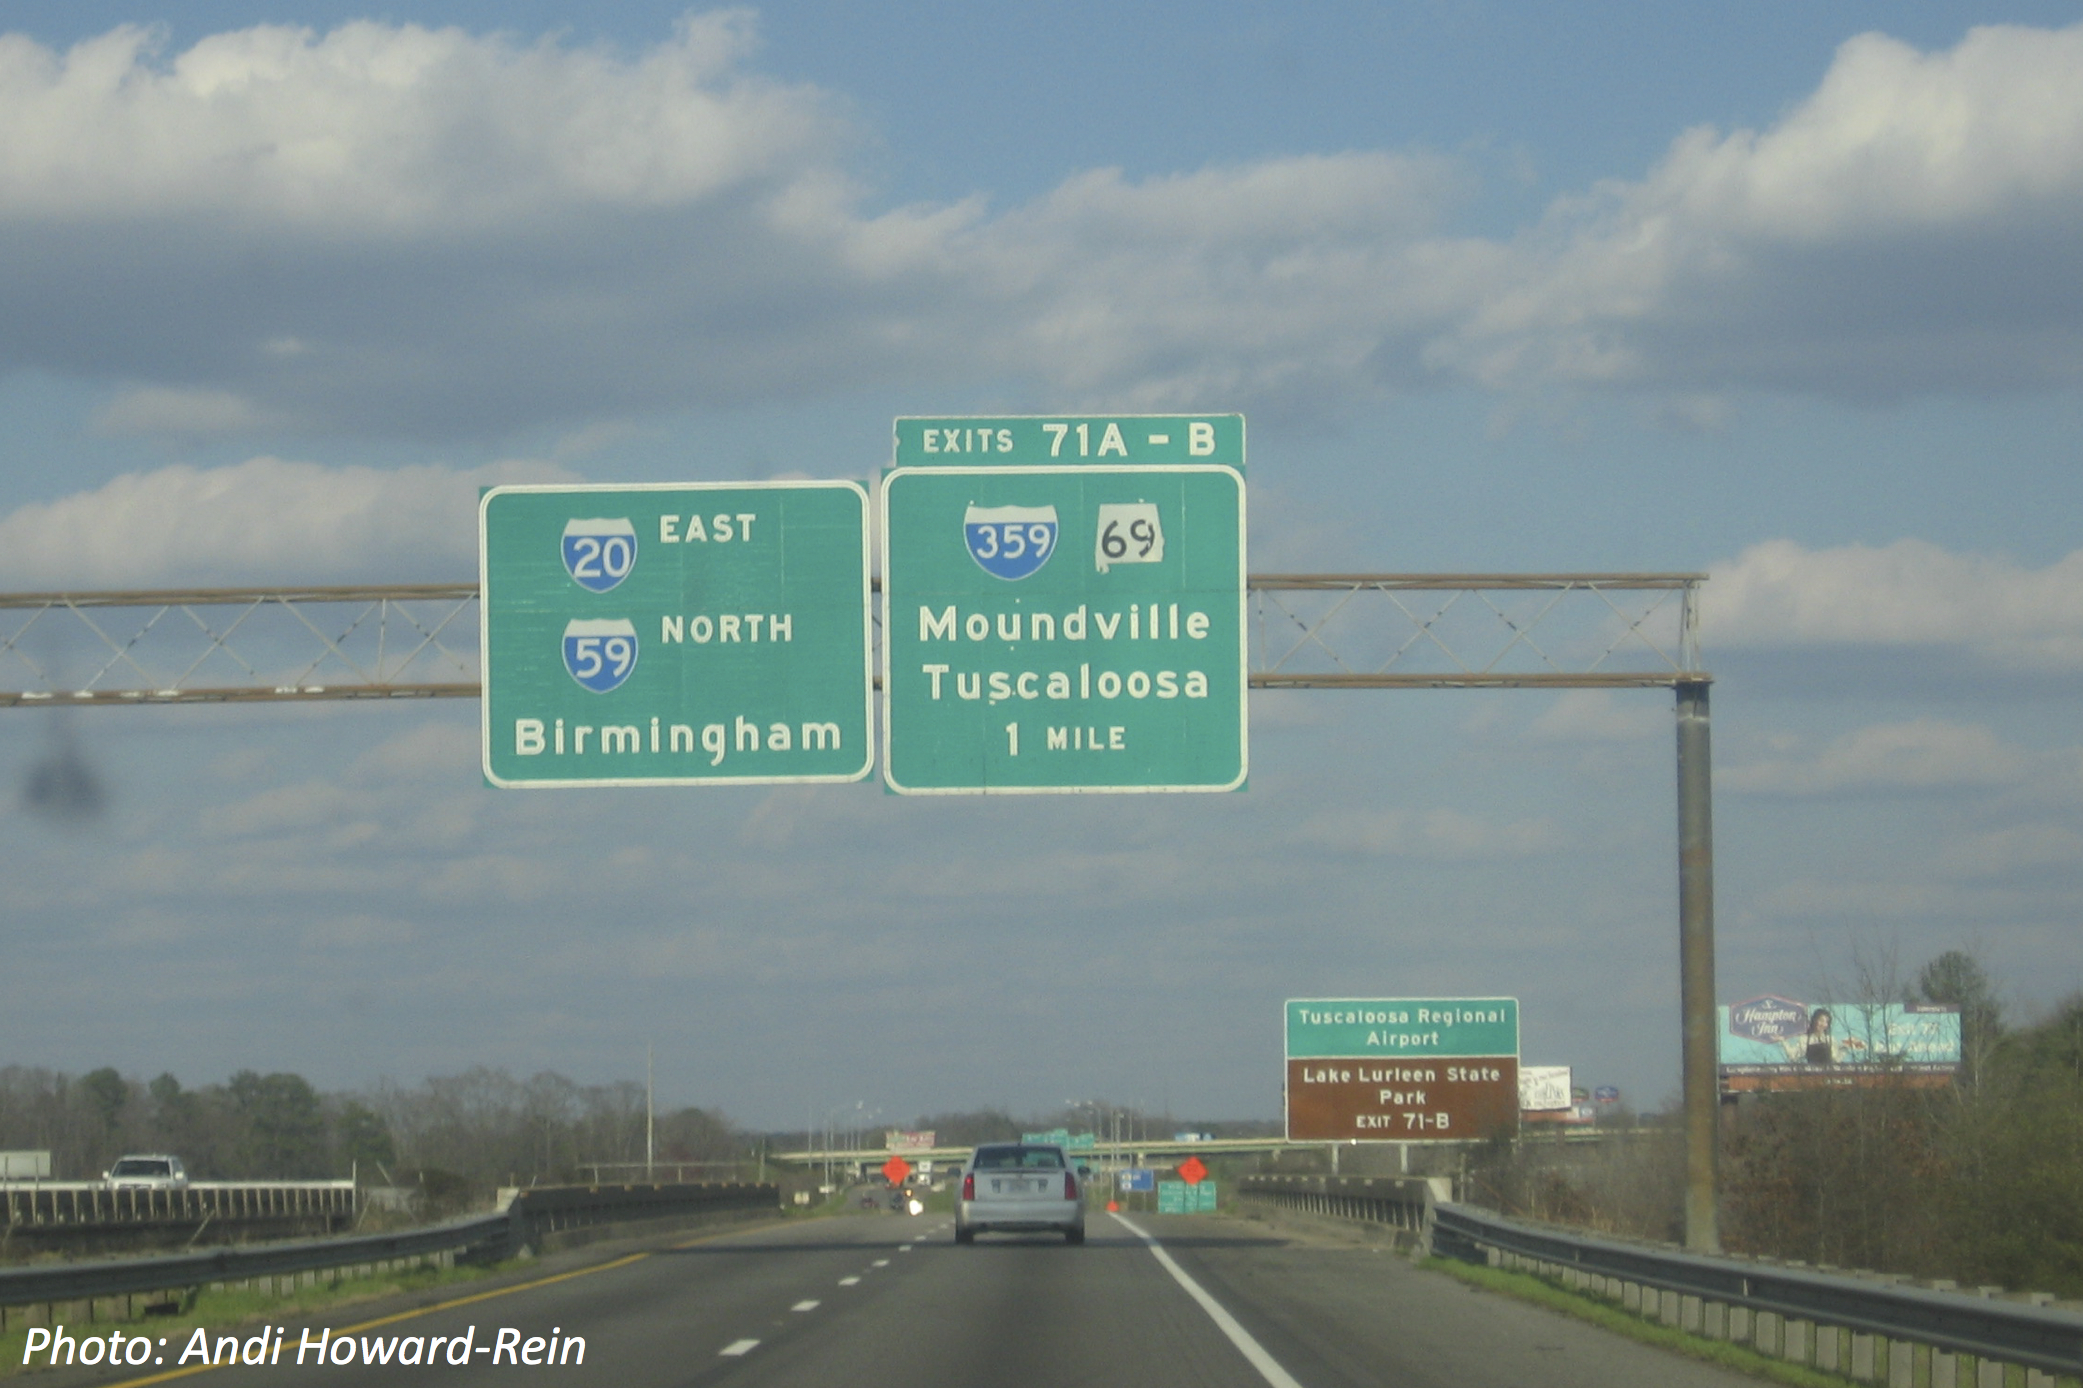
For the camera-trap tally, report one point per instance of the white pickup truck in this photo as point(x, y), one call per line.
point(146, 1172)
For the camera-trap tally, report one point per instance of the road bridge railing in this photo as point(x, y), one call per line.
point(1871, 1327)
point(43, 1210)
point(525, 1218)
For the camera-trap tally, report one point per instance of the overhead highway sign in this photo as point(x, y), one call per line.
point(675, 634)
point(1058, 622)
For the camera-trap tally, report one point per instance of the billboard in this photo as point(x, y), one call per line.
point(899, 1140)
point(1543, 1087)
point(1775, 1042)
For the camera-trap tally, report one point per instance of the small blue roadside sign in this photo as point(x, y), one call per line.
point(1137, 1178)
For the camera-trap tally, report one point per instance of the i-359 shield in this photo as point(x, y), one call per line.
point(601, 653)
point(1010, 542)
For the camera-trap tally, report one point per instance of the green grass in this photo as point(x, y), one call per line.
point(1607, 1316)
point(228, 1310)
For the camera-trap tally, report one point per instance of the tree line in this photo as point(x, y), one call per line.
point(1979, 1180)
point(462, 1133)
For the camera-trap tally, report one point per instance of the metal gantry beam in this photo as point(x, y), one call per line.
point(238, 645)
point(1312, 631)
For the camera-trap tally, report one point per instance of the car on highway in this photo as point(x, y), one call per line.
point(1019, 1187)
point(146, 1171)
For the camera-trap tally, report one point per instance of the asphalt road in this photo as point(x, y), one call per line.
point(883, 1301)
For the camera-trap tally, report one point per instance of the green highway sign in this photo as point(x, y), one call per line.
point(1066, 440)
point(1063, 628)
point(1401, 1069)
point(1177, 1197)
point(1402, 1027)
point(675, 634)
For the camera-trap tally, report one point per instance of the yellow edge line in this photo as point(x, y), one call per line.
point(171, 1374)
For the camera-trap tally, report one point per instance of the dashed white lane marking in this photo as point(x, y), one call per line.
point(880, 1263)
point(849, 1281)
point(805, 1306)
point(904, 1248)
point(738, 1348)
point(1269, 1369)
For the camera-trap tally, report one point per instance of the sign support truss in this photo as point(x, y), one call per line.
point(1311, 631)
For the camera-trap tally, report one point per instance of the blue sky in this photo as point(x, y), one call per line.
point(1785, 294)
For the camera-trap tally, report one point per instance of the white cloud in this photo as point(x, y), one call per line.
point(1595, 715)
point(266, 520)
point(390, 229)
point(1448, 834)
point(427, 751)
point(1909, 593)
point(2019, 848)
point(1924, 754)
point(1905, 228)
point(156, 410)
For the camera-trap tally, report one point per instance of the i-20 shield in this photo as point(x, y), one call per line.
point(599, 553)
point(600, 654)
point(1010, 542)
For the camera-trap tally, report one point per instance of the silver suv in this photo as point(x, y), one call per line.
point(1018, 1186)
point(152, 1171)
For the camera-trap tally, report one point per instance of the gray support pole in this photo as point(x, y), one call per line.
point(1696, 964)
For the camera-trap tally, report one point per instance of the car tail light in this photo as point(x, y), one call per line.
point(1070, 1186)
point(969, 1186)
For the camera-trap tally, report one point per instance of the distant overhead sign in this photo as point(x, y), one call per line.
point(1401, 1069)
point(1181, 1197)
point(1063, 606)
point(675, 634)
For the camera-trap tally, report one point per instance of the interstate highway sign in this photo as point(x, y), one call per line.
point(1063, 628)
point(1401, 1069)
point(675, 634)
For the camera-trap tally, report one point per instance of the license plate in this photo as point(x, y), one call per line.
point(1018, 1185)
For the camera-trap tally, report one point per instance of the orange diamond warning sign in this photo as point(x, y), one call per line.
point(1192, 1171)
point(896, 1169)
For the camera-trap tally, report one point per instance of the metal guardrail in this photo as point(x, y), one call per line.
point(1400, 1202)
point(30, 1286)
point(2007, 1331)
point(60, 1207)
point(525, 1219)
point(1992, 1330)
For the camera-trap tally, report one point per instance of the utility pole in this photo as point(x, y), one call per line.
point(650, 1109)
point(1696, 967)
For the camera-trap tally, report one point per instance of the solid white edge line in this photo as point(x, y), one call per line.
point(1268, 1367)
point(738, 1348)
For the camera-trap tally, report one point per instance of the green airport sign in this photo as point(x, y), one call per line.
point(1063, 628)
point(1391, 1027)
point(675, 634)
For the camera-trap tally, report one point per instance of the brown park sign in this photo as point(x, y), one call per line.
point(1443, 1099)
point(1402, 1069)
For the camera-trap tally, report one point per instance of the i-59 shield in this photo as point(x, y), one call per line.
point(1010, 542)
point(600, 654)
